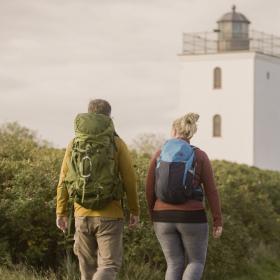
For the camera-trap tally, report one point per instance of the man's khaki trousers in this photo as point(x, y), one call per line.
point(98, 246)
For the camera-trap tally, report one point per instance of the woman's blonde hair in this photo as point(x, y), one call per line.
point(186, 126)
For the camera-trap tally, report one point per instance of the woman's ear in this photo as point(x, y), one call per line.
point(173, 132)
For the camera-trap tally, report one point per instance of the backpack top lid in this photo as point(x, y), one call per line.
point(93, 125)
point(177, 150)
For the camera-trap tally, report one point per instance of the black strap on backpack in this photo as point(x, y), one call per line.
point(197, 191)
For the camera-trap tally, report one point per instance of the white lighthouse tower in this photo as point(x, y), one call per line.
point(231, 77)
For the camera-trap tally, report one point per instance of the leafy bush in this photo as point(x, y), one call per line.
point(251, 217)
point(28, 176)
point(29, 170)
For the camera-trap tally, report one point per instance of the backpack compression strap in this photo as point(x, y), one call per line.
point(192, 169)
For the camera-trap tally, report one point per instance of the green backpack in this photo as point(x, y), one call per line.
point(93, 178)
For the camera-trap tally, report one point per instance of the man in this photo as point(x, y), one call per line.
point(99, 232)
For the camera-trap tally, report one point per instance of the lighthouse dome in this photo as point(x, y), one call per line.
point(233, 16)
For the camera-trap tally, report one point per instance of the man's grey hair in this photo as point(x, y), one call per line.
point(99, 106)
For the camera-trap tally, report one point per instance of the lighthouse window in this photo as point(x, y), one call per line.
point(217, 78)
point(217, 126)
point(237, 28)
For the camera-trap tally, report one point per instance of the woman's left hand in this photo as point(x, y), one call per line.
point(217, 232)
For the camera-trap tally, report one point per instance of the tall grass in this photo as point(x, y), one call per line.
point(69, 269)
point(263, 268)
point(23, 273)
point(131, 271)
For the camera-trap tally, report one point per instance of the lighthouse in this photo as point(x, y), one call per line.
point(231, 78)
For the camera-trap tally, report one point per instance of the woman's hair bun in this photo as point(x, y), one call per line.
point(191, 118)
point(186, 125)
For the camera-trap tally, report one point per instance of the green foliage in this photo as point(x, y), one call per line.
point(29, 170)
point(251, 218)
point(264, 266)
point(28, 176)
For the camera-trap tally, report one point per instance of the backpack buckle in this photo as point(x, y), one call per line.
point(84, 159)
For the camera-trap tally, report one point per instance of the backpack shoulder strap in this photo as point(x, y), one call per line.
point(194, 157)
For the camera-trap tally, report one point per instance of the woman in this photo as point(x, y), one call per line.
point(182, 229)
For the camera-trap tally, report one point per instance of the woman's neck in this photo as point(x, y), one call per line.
point(182, 138)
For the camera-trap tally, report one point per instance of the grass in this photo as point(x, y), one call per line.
point(23, 273)
point(264, 267)
point(140, 272)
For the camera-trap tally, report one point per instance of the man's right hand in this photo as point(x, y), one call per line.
point(133, 221)
point(62, 222)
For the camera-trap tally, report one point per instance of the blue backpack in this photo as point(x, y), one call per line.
point(175, 173)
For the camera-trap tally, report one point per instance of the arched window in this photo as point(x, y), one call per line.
point(217, 126)
point(217, 78)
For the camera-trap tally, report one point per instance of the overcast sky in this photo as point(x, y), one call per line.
point(56, 55)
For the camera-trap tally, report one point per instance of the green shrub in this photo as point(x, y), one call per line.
point(29, 170)
point(28, 177)
point(250, 217)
